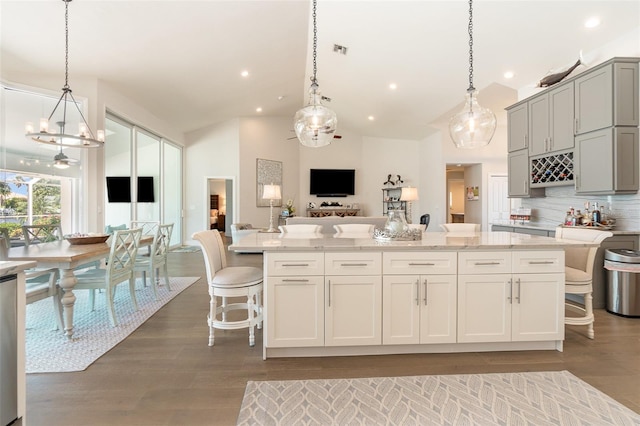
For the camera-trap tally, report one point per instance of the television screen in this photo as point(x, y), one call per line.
point(119, 189)
point(145, 189)
point(332, 182)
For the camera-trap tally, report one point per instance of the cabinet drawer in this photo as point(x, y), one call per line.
point(285, 264)
point(435, 262)
point(535, 262)
point(353, 263)
point(484, 262)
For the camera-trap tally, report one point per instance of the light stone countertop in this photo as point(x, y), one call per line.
point(430, 241)
point(9, 267)
point(553, 228)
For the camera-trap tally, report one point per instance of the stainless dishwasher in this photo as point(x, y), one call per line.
point(8, 350)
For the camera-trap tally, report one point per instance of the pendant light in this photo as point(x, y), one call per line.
point(315, 124)
point(59, 136)
point(475, 125)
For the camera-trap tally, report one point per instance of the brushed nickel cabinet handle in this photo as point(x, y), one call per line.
point(486, 263)
point(541, 262)
point(510, 290)
point(518, 296)
point(421, 264)
point(418, 292)
point(295, 264)
point(425, 292)
point(294, 280)
point(329, 292)
point(353, 264)
point(526, 140)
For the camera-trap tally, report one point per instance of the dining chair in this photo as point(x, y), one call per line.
point(149, 227)
point(300, 229)
point(425, 219)
point(34, 234)
point(118, 269)
point(354, 227)
point(229, 281)
point(156, 259)
point(39, 283)
point(578, 271)
point(460, 227)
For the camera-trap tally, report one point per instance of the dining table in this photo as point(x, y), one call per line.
point(65, 257)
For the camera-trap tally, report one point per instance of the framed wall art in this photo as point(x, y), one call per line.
point(267, 172)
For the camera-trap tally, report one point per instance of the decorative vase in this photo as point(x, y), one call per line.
point(396, 222)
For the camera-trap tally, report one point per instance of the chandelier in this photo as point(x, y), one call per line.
point(59, 136)
point(315, 124)
point(475, 125)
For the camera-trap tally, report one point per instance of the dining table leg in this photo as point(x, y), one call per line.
point(68, 281)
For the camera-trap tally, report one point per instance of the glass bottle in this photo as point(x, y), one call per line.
point(396, 222)
point(579, 218)
point(568, 218)
point(596, 217)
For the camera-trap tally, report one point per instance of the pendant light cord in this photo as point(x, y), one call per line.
point(471, 88)
point(315, 45)
point(66, 44)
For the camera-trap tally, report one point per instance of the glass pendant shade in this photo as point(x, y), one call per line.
point(315, 124)
point(474, 126)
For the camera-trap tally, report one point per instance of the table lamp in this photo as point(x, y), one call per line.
point(409, 194)
point(271, 192)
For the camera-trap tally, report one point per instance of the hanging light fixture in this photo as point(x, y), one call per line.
point(315, 124)
point(475, 125)
point(59, 136)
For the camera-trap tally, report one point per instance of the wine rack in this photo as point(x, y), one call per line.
point(553, 170)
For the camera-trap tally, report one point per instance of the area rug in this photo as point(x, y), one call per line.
point(539, 398)
point(185, 249)
point(93, 334)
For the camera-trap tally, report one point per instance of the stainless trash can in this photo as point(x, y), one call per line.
point(623, 281)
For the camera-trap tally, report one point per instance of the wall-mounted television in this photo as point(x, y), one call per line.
point(145, 189)
point(332, 182)
point(119, 189)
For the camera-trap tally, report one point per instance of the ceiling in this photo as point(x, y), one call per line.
point(182, 59)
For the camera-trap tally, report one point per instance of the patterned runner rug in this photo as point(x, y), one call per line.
point(537, 398)
point(93, 334)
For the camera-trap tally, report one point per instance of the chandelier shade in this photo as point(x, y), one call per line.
point(85, 138)
point(474, 126)
point(315, 124)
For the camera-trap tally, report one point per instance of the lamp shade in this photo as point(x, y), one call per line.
point(271, 192)
point(409, 194)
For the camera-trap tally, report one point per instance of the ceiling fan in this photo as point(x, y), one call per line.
point(61, 161)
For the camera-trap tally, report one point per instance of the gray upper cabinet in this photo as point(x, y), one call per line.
point(519, 176)
point(517, 119)
point(607, 96)
point(551, 121)
point(607, 161)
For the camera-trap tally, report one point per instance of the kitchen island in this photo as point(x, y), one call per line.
point(448, 292)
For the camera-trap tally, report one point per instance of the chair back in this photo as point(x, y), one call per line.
point(212, 250)
point(122, 256)
point(148, 227)
point(35, 234)
point(424, 220)
point(354, 227)
point(4, 250)
point(300, 229)
point(161, 241)
point(460, 227)
point(4, 233)
point(582, 258)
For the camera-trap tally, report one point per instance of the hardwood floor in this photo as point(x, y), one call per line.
point(165, 374)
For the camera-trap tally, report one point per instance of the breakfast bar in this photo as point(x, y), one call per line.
point(350, 294)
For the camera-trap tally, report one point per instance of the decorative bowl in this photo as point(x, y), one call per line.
point(78, 239)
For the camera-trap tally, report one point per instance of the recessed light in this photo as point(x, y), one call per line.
point(509, 74)
point(371, 118)
point(592, 22)
point(259, 109)
point(245, 73)
point(393, 86)
point(280, 97)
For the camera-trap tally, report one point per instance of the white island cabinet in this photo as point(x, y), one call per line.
point(485, 291)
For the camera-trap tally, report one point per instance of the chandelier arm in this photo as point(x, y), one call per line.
point(63, 96)
point(81, 114)
point(471, 88)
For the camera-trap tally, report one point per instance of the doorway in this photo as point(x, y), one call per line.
point(455, 193)
point(220, 203)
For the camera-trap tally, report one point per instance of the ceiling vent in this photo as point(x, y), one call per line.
point(340, 49)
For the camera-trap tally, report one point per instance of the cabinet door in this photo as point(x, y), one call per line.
point(594, 100)
point(519, 173)
point(517, 121)
point(438, 316)
point(537, 307)
point(353, 313)
point(625, 88)
point(401, 309)
point(538, 125)
point(484, 308)
point(295, 317)
point(561, 118)
point(594, 162)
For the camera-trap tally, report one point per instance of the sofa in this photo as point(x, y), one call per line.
point(239, 230)
point(327, 222)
